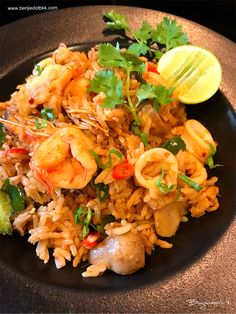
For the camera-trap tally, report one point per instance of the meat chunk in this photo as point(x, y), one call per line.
point(124, 254)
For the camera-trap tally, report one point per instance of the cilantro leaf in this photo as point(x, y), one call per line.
point(109, 56)
point(174, 145)
point(144, 33)
point(170, 34)
point(160, 95)
point(138, 49)
point(117, 21)
point(107, 82)
point(133, 63)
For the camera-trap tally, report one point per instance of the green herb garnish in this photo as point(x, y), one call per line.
point(38, 70)
point(16, 196)
point(159, 94)
point(174, 145)
point(197, 187)
point(167, 35)
point(210, 161)
point(105, 220)
point(170, 34)
point(117, 21)
point(136, 130)
point(83, 217)
point(2, 135)
point(102, 191)
point(47, 114)
point(107, 82)
point(164, 188)
point(108, 164)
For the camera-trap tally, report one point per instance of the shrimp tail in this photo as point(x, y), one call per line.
point(42, 176)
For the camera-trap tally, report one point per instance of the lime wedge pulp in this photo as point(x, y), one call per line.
point(194, 71)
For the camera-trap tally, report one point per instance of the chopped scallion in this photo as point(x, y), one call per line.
point(164, 188)
point(210, 161)
point(197, 187)
point(108, 164)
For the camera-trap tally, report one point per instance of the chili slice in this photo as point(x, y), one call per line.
point(123, 170)
point(152, 68)
point(91, 240)
point(16, 150)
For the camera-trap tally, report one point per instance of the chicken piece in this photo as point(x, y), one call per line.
point(124, 254)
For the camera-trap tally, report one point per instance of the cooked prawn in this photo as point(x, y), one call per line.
point(47, 87)
point(63, 160)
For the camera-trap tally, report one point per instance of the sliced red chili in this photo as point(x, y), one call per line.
point(123, 170)
point(31, 101)
point(91, 240)
point(152, 67)
point(16, 151)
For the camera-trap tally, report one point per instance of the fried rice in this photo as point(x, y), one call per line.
point(49, 214)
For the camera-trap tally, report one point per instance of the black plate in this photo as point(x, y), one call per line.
point(163, 270)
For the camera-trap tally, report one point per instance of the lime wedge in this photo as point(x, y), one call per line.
point(194, 72)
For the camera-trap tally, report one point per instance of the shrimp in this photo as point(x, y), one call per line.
point(149, 165)
point(63, 160)
point(85, 113)
point(48, 86)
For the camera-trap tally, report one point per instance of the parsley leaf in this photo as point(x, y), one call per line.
point(108, 83)
point(117, 21)
point(170, 34)
point(174, 145)
point(144, 33)
point(160, 95)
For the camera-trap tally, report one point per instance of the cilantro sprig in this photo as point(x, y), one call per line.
point(110, 56)
point(159, 94)
point(107, 82)
point(117, 21)
point(167, 35)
